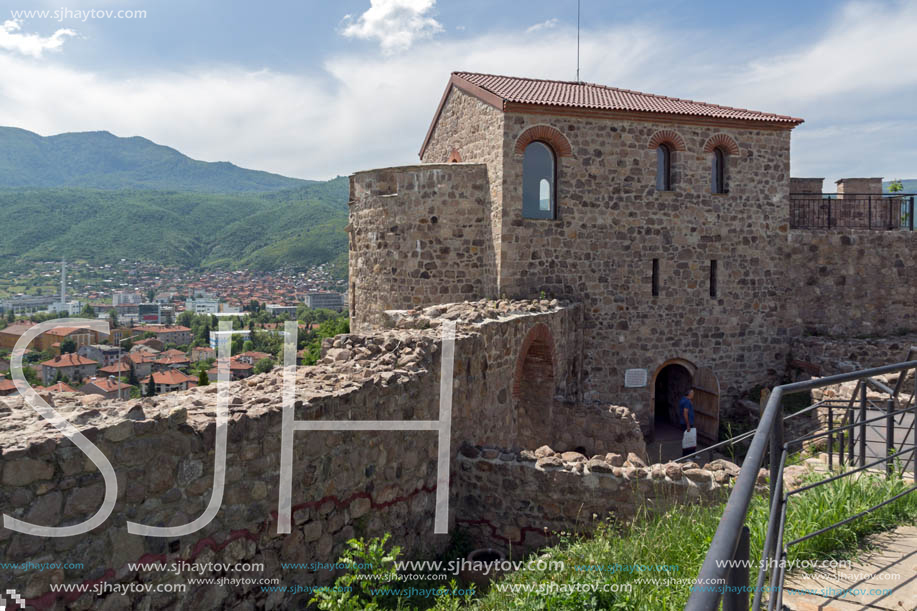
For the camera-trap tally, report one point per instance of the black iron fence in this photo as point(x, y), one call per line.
point(731, 540)
point(831, 211)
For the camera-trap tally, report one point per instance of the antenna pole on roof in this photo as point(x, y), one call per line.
point(577, 39)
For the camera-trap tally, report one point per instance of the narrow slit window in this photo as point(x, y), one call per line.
point(655, 277)
point(713, 278)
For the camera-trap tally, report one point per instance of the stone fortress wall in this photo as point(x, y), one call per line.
point(851, 282)
point(345, 484)
point(419, 235)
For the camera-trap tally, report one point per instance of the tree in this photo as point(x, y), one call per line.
point(113, 318)
point(11, 316)
point(31, 376)
point(896, 186)
point(67, 346)
point(202, 378)
point(150, 294)
point(264, 365)
point(151, 387)
point(248, 345)
point(88, 311)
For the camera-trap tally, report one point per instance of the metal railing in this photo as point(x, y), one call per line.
point(747, 436)
point(891, 212)
point(727, 558)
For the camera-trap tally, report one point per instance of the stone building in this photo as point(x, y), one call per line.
point(667, 219)
point(71, 366)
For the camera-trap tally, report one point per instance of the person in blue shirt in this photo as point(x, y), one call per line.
point(686, 418)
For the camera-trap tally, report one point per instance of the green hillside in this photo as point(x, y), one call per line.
point(100, 160)
point(99, 198)
point(293, 228)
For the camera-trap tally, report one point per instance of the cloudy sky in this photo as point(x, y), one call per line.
point(314, 89)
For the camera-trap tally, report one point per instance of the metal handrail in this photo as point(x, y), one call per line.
point(743, 436)
point(769, 433)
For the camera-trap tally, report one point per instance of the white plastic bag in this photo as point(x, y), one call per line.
point(689, 439)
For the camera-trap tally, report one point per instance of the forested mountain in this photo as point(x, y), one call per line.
point(96, 197)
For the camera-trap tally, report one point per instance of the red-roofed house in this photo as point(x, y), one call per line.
point(167, 334)
point(171, 361)
point(202, 353)
point(57, 387)
point(167, 381)
point(118, 370)
point(237, 369)
point(7, 387)
point(150, 342)
point(252, 356)
point(107, 388)
point(71, 366)
point(141, 362)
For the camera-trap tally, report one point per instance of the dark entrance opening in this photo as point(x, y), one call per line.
point(671, 385)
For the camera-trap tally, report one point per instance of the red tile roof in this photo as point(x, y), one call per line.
point(116, 369)
point(173, 359)
point(70, 359)
point(106, 385)
point(170, 378)
point(602, 97)
point(516, 93)
point(141, 357)
point(57, 387)
point(7, 385)
point(17, 328)
point(64, 331)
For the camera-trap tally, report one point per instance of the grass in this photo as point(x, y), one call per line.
point(680, 538)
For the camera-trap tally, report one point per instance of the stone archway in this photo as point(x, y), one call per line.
point(533, 388)
point(671, 379)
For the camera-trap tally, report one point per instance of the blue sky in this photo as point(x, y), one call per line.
point(315, 89)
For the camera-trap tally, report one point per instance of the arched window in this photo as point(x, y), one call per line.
point(718, 171)
point(663, 168)
point(538, 175)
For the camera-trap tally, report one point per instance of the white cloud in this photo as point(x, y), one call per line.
point(12, 39)
point(372, 110)
point(544, 25)
point(395, 24)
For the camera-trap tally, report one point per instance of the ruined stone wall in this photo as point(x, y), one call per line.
point(345, 484)
point(474, 130)
point(612, 222)
point(822, 356)
point(851, 282)
point(419, 235)
point(489, 411)
point(522, 501)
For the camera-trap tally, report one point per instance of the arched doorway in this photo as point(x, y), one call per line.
point(671, 381)
point(533, 388)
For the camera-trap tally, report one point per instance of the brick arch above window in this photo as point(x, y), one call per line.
point(669, 137)
point(547, 134)
point(721, 141)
